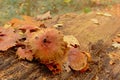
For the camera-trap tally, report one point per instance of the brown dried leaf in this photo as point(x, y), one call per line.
point(8, 38)
point(7, 26)
point(58, 25)
point(71, 41)
point(15, 22)
point(44, 16)
point(25, 54)
point(118, 35)
point(104, 14)
point(116, 41)
point(95, 21)
point(27, 21)
point(116, 45)
point(29, 28)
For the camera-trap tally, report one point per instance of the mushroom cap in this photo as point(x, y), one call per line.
point(77, 60)
point(48, 45)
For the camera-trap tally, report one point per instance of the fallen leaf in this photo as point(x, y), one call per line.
point(104, 14)
point(99, 13)
point(45, 16)
point(118, 35)
point(25, 54)
point(15, 22)
point(71, 41)
point(95, 21)
point(107, 14)
point(7, 26)
point(25, 22)
point(29, 28)
point(116, 45)
point(8, 38)
point(58, 25)
point(116, 41)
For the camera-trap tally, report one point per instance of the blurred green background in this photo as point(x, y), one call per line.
point(14, 8)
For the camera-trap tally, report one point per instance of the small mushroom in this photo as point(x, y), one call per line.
point(78, 60)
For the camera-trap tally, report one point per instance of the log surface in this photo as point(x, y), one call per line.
point(94, 38)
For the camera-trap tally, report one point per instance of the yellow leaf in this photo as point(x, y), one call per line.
point(104, 14)
point(95, 21)
point(21, 33)
point(58, 25)
point(107, 14)
point(99, 13)
point(7, 26)
point(71, 40)
point(118, 34)
point(116, 45)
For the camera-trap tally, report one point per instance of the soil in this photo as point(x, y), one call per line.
point(93, 38)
